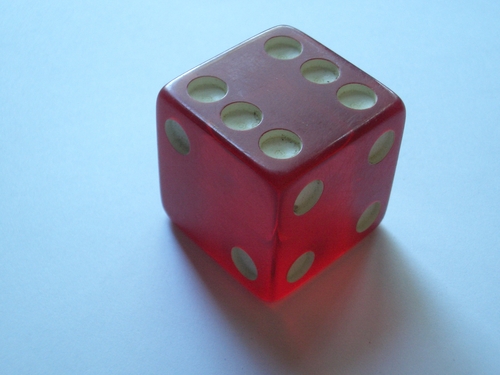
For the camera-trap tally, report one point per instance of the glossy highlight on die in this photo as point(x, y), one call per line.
point(276, 157)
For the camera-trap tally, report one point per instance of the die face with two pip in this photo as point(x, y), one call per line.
point(276, 157)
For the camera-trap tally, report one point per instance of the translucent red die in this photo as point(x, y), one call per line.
point(276, 157)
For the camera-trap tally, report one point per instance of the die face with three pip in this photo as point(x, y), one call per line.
point(276, 157)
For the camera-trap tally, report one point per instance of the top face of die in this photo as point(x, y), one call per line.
point(282, 100)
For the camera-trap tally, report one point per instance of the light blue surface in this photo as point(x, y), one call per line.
point(95, 280)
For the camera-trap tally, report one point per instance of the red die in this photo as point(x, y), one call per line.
point(276, 157)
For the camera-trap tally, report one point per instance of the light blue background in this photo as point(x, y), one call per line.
point(95, 280)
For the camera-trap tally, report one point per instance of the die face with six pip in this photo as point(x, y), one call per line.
point(276, 157)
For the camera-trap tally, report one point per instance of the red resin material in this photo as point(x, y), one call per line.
point(225, 192)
